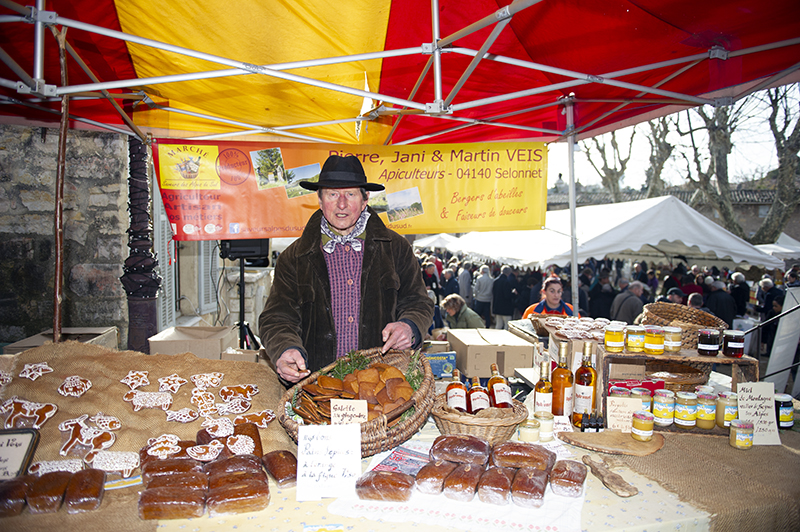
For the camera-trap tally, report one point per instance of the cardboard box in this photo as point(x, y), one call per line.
point(442, 364)
point(204, 342)
point(437, 346)
point(240, 355)
point(621, 370)
point(477, 349)
point(107, 337)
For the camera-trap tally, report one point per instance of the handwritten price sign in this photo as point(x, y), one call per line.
point(757, 405)
point(328, 460)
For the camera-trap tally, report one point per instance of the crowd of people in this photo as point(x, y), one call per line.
point(492, 294)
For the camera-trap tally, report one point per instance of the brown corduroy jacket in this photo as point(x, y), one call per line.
point(298, 313)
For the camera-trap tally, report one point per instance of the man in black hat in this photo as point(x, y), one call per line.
point(347, 283)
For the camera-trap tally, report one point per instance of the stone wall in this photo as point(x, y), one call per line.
point(95, 224)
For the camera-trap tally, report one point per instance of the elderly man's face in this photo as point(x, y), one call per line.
point(675, 298)
point(342, 207)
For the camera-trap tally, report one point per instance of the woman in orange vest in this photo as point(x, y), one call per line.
point(551, 303)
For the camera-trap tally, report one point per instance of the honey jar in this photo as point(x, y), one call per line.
point(634, 338)
point(546, 423)
point(614, 338)
point(654, 340)
point(664, 407)
point(741, 436)
point(672, 339)
point(644, 395)
point(708, 342)
point(528, 431)
point(733, 343)
point(686, 410)
point(727, 408)
point(784, 411)
point(706, 411)
point(619, 391)
point(642, 426)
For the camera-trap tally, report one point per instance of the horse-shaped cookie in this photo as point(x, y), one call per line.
point(20, 408)
point(79, 433)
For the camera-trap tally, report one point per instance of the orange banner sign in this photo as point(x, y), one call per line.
point(241, 190)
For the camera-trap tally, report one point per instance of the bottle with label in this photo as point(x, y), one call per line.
point(456, 393)
point(585, 386)
point(543, 400)
point(478, 397)
point(499, 390)
point(563, 382)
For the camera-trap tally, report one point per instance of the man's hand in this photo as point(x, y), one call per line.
point(397, 335)
point(291, 365)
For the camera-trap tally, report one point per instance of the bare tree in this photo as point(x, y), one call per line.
point(784, 111)
point(610, 175)
point(660, 152)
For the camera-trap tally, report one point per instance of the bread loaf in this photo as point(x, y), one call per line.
point(495, 485)
point(282, 466)
point(460, 485)
point(239, 462)
point(223, 479)
point(46, 493)
point(250, 429)
point(430, 479)
point(519, 455)
point(461, 448)
point(247, 495)
point(193, 480)
point(85, 491)
point(385, 486)
point(169, 466)
point(567, 478)
point(12, 495)
point(171, 503)
point(527, 488)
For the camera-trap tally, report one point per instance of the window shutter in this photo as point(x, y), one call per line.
point(162, 235)
point(208, 271)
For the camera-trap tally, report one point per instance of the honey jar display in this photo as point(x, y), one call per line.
point(727, 408)
point(733, 343)
point(686, 410)
point(672, 339)
point(706, 411)
point(644, 395)
point(708, 342)
point(784, 411)
point(642, 426)
point(741, 436)
point(634, 338)
point(614, 338)
point(664, 407)
point(654, 340)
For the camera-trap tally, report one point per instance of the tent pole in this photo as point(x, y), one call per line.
point(572, 229)
point(58, 276)
point(437, 53)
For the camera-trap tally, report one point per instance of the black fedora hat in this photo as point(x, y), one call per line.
point(341, 172)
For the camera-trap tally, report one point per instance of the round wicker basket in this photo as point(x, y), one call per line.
point(690, 320)
point(494, 430)
point(376, 435)
point(677, 377)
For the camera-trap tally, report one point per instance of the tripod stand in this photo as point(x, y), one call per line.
point(245, 334)
point(242, 249)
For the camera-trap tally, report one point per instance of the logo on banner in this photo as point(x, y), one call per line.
point(188, 167)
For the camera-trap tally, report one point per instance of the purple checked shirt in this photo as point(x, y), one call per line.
point(344, 274)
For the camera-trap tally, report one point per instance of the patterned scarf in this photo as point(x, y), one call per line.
point(355, 238)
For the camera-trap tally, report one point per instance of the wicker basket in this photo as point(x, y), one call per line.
point(376, 435)
point(677, 377)
point(494, 430)
point(690, 320)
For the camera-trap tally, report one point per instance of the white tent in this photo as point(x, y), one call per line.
point(785, 248)
point(442, 240)
point(659, 229)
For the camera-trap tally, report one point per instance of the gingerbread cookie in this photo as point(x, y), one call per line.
point(218, 427)
point(78, 433)
point(122, 462)
point(244, 391)
point(240, 444)
point(5, 378)
point(207, 452)
point(239, 405)
point(204, 401)
point(74, 386)
point(139, 400)
point(208, 380)
point(73, 465)
point(184, 415)
point(19, 409)
point(259, 419)
point(171, 383)
point(106, 422)
point(136, 379)
point(164, 446)
point(34, 371)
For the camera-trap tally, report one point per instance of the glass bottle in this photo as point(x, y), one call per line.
point(456, 393)
point(562, 381)
point(478, 397)
point(499, 390)
point(543, 400)
point(585, 386)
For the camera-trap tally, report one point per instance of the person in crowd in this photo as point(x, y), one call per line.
point(459, 315)
point(535, 294)
point(601, 296)
point(314, 313)
point(672, 280)
point(429, 278)
point(674, 295)
point(721, 303)
point(640, 272)
point(483, 295)
point(770, 293)
point(740, 292)
point(652, 282)
point(627, 305)
point(706, 286)
point(465, 282)
point(550, 302)
point(695, 301)
point(503, 297)
point(690, 287)
point(695, 270)
point(585, 279)
point(450, 284)
point(622, 284)
point(792, 279)
point(438, 323)
point(768, 336)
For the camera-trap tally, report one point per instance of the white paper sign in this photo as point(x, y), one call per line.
point(619, 412)
point(328, 460)
point(345, 411)
point(757, 405)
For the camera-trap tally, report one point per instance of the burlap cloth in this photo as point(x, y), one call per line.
point(756, 489)
point(105, 369)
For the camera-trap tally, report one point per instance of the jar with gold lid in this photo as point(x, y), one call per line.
point(642, 426)
point(634, 338)
point(686, 410)
point(644, 395)
point(664, 407)
point(614, 338)
point(733, 343)
point(706, 411)
point(727, 408)
point(654, 340)
point(672, 339)
point(708, 342)
point(741, 436)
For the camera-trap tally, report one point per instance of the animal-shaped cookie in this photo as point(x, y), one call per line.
point(218, 427)
point(207, 452)
point(204, 401)
point(238, 405)
point(240, 444)
point(105, 421)
point(122, 462)
point(74, 386)
point(72, 465)
point(184, 415)
point(139, 400)
point(245, 391)
point(19, 409)
point(207, 380)
point(260, 419)
point(164, 445)
point(5, 378)
point(79, 433)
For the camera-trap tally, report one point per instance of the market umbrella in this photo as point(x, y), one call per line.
point(785, 248)
point(442, 240)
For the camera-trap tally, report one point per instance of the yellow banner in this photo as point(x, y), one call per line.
point(238, 190)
